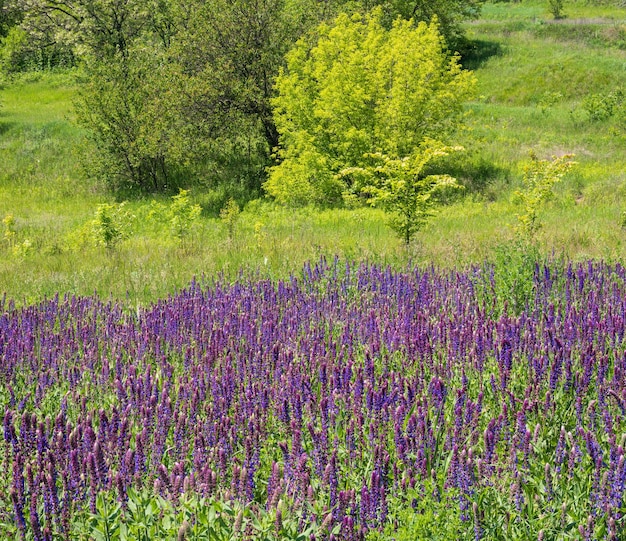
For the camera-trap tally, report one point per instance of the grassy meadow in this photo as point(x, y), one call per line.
point(534, 75)
point(172, 367)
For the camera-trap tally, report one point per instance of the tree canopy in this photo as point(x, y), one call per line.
point(448, 13)
point(354, 91)
point(185, 87)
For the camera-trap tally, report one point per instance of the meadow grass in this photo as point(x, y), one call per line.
point(532, 84)
point(40, 144)
point(533, 79)
point(538, 10)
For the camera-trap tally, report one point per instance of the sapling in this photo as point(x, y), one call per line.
point(539, 179)
point(556, 8)
point(182, 215)
point(230, 216)
point(111, 224)
point(9, 229)
point(402, 188)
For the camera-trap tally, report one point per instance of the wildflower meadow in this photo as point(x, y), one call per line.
point(350, 401)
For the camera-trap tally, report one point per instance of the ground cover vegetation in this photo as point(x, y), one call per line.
point(346, 402)
point(458, 376)
point(525, 102)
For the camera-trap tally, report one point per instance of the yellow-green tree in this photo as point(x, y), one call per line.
point(356, 92)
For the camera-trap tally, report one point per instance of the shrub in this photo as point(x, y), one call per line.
point(556, 8)
point(111, 225)
point(182, 215)
point(539, 178)
point(603, 106)
point(230, 216)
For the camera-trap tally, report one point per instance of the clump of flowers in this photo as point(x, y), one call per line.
point(341, 402)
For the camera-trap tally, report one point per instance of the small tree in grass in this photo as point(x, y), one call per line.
point(182, 215)
point(539, 179)
point(111, 224)
point(400, 186)
point(515, 262)
point(230, 216)
point(556, 8)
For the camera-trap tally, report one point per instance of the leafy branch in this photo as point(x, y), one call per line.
point(399, 185)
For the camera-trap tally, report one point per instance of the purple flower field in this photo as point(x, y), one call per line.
point(350, 397)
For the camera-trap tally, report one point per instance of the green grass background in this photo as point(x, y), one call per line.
point(533, 77)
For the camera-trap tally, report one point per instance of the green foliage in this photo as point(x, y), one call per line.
point(142, 518)
point(177, 90)
point(129, 108)
point(552, 500)
point(357, 91)
point(19, 53)
point(9, 230)
point(556, 8)
point(182, 215)
point(229, 52)
point(549, 100)
point(419, 515)
point(182, 89)
point(97, 29)
point(449, 14)
point(111, 225)
point(146, 516)
point(400, 186)
point(78, 239)
point(9, 16)
point(22, 249)
point(230, 216)
point(18, 248)
point(605, 105)
point(514, 270)
point(128, 102)
point(104, 523)
point(12, 53)
point(539, 179)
